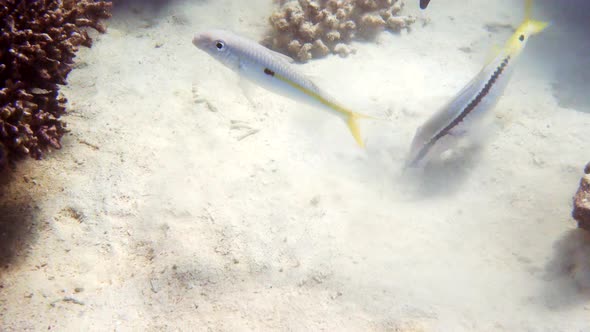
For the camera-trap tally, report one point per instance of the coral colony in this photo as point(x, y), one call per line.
point(307, 29)
point(38, 41)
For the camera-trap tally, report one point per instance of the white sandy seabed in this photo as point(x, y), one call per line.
point(180, 203)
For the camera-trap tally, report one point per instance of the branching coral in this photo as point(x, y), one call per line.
point(307, 29)
point(582, 201)
point(38, 42)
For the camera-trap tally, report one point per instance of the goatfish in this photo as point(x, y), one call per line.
point(273, 71)
point(476, 99)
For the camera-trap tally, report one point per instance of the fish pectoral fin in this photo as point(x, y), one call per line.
point(353, 126)
point(248, 89)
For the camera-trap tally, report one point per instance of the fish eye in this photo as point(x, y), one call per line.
point(521, 38)
point(220, 45)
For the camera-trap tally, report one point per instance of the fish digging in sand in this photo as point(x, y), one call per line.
point(463, 113)
point(272, 71)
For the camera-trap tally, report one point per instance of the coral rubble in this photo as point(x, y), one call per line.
point(582, 201)
point(307, 29)
point(38, 41)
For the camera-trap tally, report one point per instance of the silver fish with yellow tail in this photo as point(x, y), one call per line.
point(475, 100)
point(273, 71)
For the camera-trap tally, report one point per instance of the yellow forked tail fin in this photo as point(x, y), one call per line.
point(354, 128)
point(352, 123)
point(534, 26)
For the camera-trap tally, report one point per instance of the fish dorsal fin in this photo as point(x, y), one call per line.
point(282, 56)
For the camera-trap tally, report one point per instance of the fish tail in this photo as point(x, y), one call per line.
point(352, 118)
point(537, 26)
point(534, 25)
point(351, 121)
point(353, 126)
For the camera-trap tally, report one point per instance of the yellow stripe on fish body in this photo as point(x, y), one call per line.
point(351, 116)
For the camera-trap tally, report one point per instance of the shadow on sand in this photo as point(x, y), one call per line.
point(568, 272)
point(444, 177)
point(17, 225)
point(563, 50)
